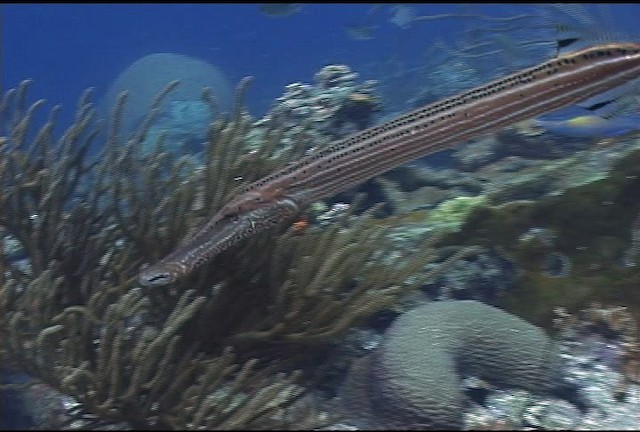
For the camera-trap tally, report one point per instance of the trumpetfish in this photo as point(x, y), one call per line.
point(562, 81)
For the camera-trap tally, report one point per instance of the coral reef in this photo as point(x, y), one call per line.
point(449, 215)
point(335, 106)
point(147, 76)
point(632, 255)
point(183, 124)
point(232, 347)
point(248, 342)
point(599, 349)
point(486, 276)
point(584, 234)
point(413, 380)
point(608, 332)
point(504, 167)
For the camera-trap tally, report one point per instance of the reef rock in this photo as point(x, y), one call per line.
point(413, 380)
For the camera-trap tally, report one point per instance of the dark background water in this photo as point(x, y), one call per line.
point(66, 48)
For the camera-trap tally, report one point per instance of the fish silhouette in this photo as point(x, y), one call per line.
point(360, 31)
point(591, 126)
point(279, 9)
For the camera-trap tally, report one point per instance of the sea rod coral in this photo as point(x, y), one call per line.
point(230, 348)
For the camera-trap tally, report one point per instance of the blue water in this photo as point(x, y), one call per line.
point(66, 48)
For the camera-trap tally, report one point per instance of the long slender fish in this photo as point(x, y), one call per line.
point(560, 82)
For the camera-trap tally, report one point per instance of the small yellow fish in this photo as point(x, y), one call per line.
point(590, 126)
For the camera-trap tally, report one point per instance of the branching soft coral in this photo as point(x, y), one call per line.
point(189, 356)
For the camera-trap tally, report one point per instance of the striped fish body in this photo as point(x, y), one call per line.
point(557, 83)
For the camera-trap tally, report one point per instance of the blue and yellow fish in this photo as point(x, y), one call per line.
point(591, 126)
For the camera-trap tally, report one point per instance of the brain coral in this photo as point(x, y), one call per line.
point(145, 77)
point(414, 379)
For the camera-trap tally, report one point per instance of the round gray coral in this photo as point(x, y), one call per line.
point(147, 76)
point(413, 379)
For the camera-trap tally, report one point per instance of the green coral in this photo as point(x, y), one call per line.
point(451, 214)
point(590, 226)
